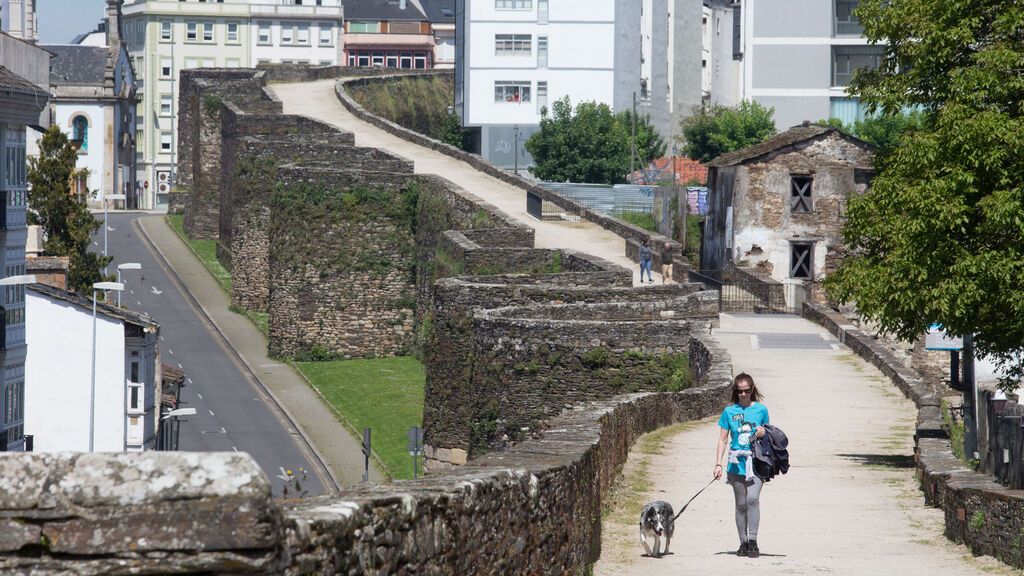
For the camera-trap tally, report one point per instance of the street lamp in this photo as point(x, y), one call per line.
point(125, 266)
point(105, 198)
point(92, 389)
point(166, 432)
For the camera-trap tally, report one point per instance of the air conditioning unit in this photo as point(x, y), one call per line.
point(163, 176)
point(163, 188)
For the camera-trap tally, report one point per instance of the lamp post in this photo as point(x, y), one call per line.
point(105, 198)
point(166, 433)
point(92, 388)
point(125, 266)
point(515, 138)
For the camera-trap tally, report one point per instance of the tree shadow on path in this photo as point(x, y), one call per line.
point(884, 460)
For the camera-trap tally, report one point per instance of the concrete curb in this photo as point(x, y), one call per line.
point(327, 477)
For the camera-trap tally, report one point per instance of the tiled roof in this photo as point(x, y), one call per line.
point(11, 82)
point(794, 135)
point(101, 308)
point(439, 11)
point(381, 10)
point(77, 65)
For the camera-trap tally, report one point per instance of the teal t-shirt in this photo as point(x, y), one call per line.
point(741, 423)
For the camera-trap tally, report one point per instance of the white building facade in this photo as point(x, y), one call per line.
point(797, 56)
point(24, 71)
point(57, 405)
point(18, 18)
point(514, 57)
point(166, 36)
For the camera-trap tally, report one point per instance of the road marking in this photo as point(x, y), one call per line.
point(110, 229)
point(222, 430)
point(211, 413)
point(171, 352)
point(754, 344)
point(132, 292)
point(180, 366)
point(200, 396)
point(235, 448)
point(189, 380)
point(161, 338)
point(137, 303)
point(155, 291)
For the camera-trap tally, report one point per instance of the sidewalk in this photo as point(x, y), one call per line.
point(334, 442)
point(318, 100)
point(849, 505)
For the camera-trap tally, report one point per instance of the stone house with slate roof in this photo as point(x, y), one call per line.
point(94, 97)
point(778, 207)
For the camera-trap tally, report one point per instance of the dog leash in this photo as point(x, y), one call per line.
point(691, 499)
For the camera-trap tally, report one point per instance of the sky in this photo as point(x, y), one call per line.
point(62, 20)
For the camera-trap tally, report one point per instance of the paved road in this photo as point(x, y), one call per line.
point(232, 414)
point(849, 505)
point(317, 100)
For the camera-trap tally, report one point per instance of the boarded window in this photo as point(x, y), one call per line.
point(800, 201)
point(801, 260)
point(405, 28)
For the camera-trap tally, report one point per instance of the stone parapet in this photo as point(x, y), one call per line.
point(979, 512)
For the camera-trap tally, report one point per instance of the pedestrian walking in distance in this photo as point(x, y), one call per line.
point(666, 264)
point(645, 261)
point(742, 420)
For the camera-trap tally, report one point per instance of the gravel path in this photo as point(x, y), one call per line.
point(850, 504)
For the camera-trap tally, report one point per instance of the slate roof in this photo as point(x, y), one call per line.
point(381, 10)
point(11, 82)
point(77, 65)
point(101, 308)
point(439, 11)
point(794, 135)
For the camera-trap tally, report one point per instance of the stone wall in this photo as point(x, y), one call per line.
point(979, 512)
point(534, 509)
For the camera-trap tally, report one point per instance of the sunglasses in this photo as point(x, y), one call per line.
point(743, 391)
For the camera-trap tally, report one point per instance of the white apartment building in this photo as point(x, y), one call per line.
point(18, 18)
point(794, 55)
point(166, 36)
point(514, 57)
point(57, 404)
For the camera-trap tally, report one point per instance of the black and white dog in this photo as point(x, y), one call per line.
point(657, 521)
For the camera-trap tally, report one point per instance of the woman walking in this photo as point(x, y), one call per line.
point(741, 419)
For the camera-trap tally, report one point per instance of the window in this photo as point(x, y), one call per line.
point(191, 63)
point(406, 60)
point(165, 30)
point(391, 61)
point(263, 38)
point(232, 63)
point(737, 32)
point(511, 91)
point(134, 395)
point(190, 31)
point(404, 27)
point(80, 132)
point(207, 31)
point(262, 61)
point(370, 27)
point(512, 44)
point(326, 62)
point(848, 59)
point(134, 375)
point(302, 34)
point(800, 201)
point(287, 35)
point(801, 260)
point(165, 104)
point(542, 11)
point(420, 60)
point(513, 4)
point(846, 23)
point(326, 34)
point(232, 32)
point(165, 141)
point(542, 95)
point(166, 68)
point(542, 51)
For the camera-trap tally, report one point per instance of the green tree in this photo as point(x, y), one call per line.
point(63, 216)
point(589, 143)
point(882, 130)
point(450, 131)
point(939, 237)
point(714, 130)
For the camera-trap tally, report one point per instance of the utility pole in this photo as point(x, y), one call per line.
point(515, 137)
point(632, 145)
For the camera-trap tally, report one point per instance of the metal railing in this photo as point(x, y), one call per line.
point(745, 290)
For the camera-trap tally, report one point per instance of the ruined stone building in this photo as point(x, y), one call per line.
point(779, 206)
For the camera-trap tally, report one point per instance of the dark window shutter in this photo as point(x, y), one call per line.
point(737, 32)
